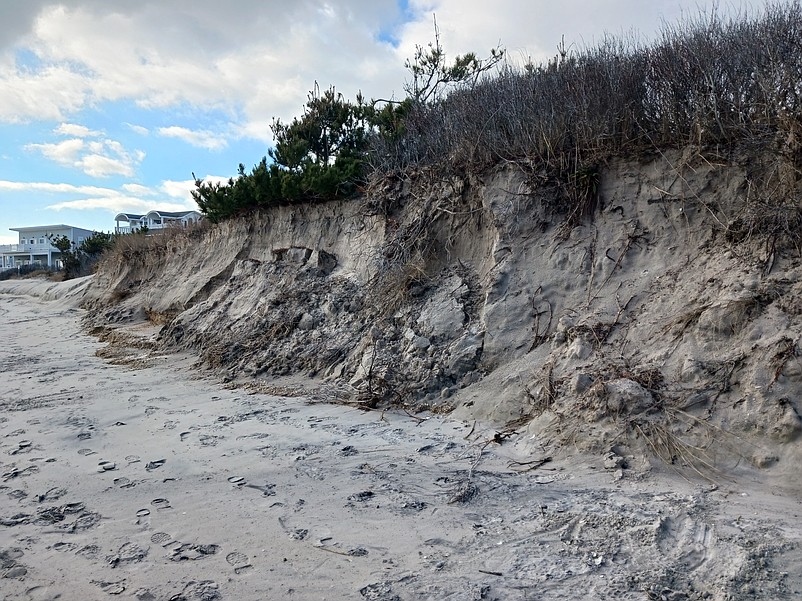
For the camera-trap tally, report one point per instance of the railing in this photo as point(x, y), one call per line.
point(127, 229)
point(25, 248)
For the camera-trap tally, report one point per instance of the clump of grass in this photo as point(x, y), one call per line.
point(142, 244)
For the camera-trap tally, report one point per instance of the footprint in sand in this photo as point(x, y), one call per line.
point(209, 440)
point(123, 482)
point(154, 465)
point(88, 552)
point(17, 473)
point(16, 572)
point(52, 494)
point(161, 538)
point(192, 552)
point(237, 480)
point(42, 593)
point(76, 507)
point(238, 561)
point(65, 547)
point(9, 567)
point(85, 521)
point(267, 490)
point(184, 435)
point(110, 588)
point(161, 503)
point(133, 458)
point(23, 446)
point(86, 452)
point(205, 590)
point(106, 466)
point(128, 553)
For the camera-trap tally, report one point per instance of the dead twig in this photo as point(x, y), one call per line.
point(529, 466)
point(473, 429)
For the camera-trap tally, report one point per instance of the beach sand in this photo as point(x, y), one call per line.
point(155, 483)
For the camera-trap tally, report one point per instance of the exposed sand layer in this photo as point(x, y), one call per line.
point(154, 484)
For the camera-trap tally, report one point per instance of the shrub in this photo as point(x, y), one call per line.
point(317, 157)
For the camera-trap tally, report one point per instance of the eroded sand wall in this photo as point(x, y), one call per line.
point(644, 323)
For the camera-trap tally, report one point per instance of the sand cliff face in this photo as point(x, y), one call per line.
point(648, 324)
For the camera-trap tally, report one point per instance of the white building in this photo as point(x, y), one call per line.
point(155, 220)
point(34, 246)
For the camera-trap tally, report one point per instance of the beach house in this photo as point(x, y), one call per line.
point(126, 223)
point(34, 247)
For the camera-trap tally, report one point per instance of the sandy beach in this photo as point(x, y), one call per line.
point(157, 484)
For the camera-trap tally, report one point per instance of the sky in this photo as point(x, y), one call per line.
point(110, 106)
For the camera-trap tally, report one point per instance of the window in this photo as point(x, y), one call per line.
point(41, 241)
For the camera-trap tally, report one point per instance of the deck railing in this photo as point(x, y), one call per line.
point(25, 248)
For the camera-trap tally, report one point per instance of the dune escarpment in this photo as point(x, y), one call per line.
point(665, 316)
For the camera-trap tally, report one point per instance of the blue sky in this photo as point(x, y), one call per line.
point(111, 105)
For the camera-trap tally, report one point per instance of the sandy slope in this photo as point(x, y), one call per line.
point(154, 484)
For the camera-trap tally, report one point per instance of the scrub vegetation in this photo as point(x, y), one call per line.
point(723, 86)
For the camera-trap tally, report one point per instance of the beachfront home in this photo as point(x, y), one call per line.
point(155, 220)
point(34, 246)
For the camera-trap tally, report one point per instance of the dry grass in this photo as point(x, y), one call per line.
point(680, 323)
point(138, 245)
point(785, 352)
point(707, 82)
point(394, 285)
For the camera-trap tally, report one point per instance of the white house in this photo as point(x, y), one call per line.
point(155, 220)
point(34, 245)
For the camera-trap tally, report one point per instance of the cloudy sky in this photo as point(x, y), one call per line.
point(111, 105)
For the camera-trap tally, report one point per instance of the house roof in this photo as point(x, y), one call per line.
point(127, 217)
point(36, 228)
point(171, 213)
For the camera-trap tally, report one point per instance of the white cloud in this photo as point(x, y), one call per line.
point(199, 138)
point(118, 204)
point(96, 165)
point(89, 52)
point(96, 158)
point(131, 197)
point(52, 188)
point(64, 153)
point(138, 189)
point(142, 131)
point(183, 188)
point(50, 93)
point(78, 131)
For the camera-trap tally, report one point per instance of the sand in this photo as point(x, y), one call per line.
point(155, 483)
